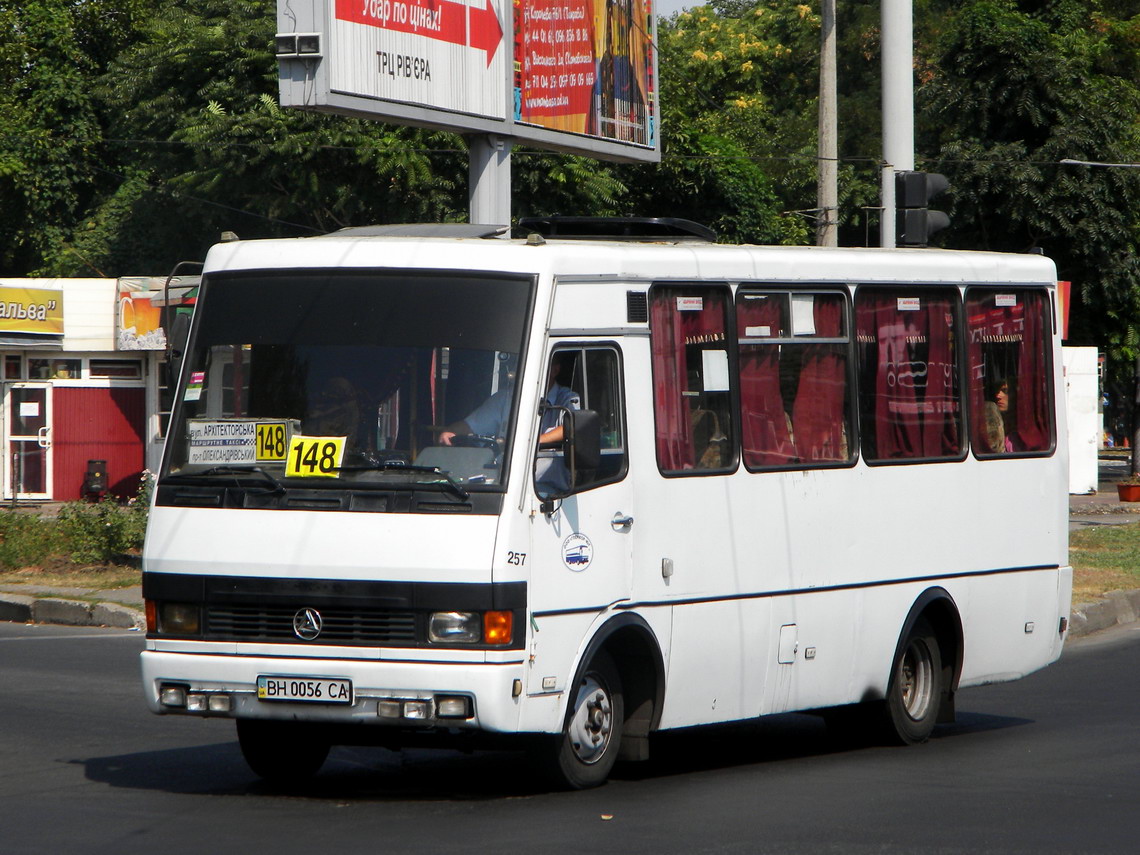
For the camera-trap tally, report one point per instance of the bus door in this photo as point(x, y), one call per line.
point(28, 433)
point(581, 550)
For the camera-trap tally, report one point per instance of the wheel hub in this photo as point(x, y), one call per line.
point(917, 678)
point(592, 722)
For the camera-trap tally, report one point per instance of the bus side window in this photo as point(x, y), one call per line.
point(795, 400)
point(691, 385)
point(587, 378)
point(1008, 358)
point(909, 393)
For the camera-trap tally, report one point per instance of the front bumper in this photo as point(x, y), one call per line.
point(493, 688)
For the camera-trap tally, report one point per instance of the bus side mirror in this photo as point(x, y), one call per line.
point(583, 445)
point(566, 468)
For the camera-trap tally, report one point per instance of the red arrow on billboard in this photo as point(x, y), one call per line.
point(441, 20)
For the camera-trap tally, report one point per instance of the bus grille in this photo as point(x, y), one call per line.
point(339, 626)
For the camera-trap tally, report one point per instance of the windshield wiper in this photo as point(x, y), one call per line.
point(276, 487)
point(446, 481)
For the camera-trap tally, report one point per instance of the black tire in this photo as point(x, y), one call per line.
point(585, 752)
point(283, 753)
point(915, 689)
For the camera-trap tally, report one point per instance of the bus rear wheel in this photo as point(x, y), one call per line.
point(915, 689)
point(283, 753)
point(585, 752)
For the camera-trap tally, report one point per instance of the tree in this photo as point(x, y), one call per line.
point(1013, 92)
point(186, 139)
point(49, 122)
point(737, 132)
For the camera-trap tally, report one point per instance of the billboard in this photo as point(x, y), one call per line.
point(585, 67)
point(571, 75)
point(35, 311)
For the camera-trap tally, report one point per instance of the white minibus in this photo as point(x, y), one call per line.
point(606, 478)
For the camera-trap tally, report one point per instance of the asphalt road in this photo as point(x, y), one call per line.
point(1049, 764)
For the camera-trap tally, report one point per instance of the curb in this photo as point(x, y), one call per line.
point(1117, 609)
point(22, 609)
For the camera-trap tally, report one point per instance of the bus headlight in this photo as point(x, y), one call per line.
point(456, 627)
point(179, 619)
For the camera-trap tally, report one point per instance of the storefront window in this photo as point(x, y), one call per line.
point(125, 369)
point(55, 369)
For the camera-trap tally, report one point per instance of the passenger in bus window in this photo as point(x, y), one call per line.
point(994, 413)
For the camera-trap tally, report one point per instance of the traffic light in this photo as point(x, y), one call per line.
point(914, 222)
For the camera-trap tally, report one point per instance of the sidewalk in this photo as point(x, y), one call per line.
point(123, 607)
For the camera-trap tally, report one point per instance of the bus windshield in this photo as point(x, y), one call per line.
point(358, 379)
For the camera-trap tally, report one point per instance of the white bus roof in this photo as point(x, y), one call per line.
point(626, 260)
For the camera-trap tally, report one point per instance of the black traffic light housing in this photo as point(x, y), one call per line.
point(914, 222)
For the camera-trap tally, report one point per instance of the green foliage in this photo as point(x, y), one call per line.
point(86, 533)
point(544, 183)
point(100, 531)
point(1016, 92)
point(104, 530)
point(1114, 549)
point(47, 123)
point(26, 539)
point(737, 122)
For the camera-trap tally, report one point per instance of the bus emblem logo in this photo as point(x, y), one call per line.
point(577, 552)
point(307, 624)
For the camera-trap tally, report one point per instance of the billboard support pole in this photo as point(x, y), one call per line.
point(489, 179)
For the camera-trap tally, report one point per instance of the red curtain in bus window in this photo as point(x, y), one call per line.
point(910, 338)
point(940, 435)
point(766, 439)
point(883, 330)
point(818, 418)
point(1010, 327)
point(1034, 431)
point(983, 322)
point(682, 323)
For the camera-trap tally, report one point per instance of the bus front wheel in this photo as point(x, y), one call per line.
point(280, 752)
point(915, 688)
point(587, 748)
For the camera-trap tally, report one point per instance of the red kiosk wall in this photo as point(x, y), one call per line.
point(97, 424)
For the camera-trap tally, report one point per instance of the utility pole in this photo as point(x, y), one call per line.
point(898, 106)
point(827, 190)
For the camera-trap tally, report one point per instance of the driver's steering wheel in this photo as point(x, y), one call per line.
point(474, 440)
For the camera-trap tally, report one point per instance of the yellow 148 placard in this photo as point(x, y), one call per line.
point(315, 456)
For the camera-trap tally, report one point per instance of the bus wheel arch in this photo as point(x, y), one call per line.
point(925, 669)
point(621, 673)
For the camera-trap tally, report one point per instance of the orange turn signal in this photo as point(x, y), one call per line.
point(497, 627)
point(151, 616)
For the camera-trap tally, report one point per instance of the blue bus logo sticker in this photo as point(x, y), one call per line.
point(577, 552)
